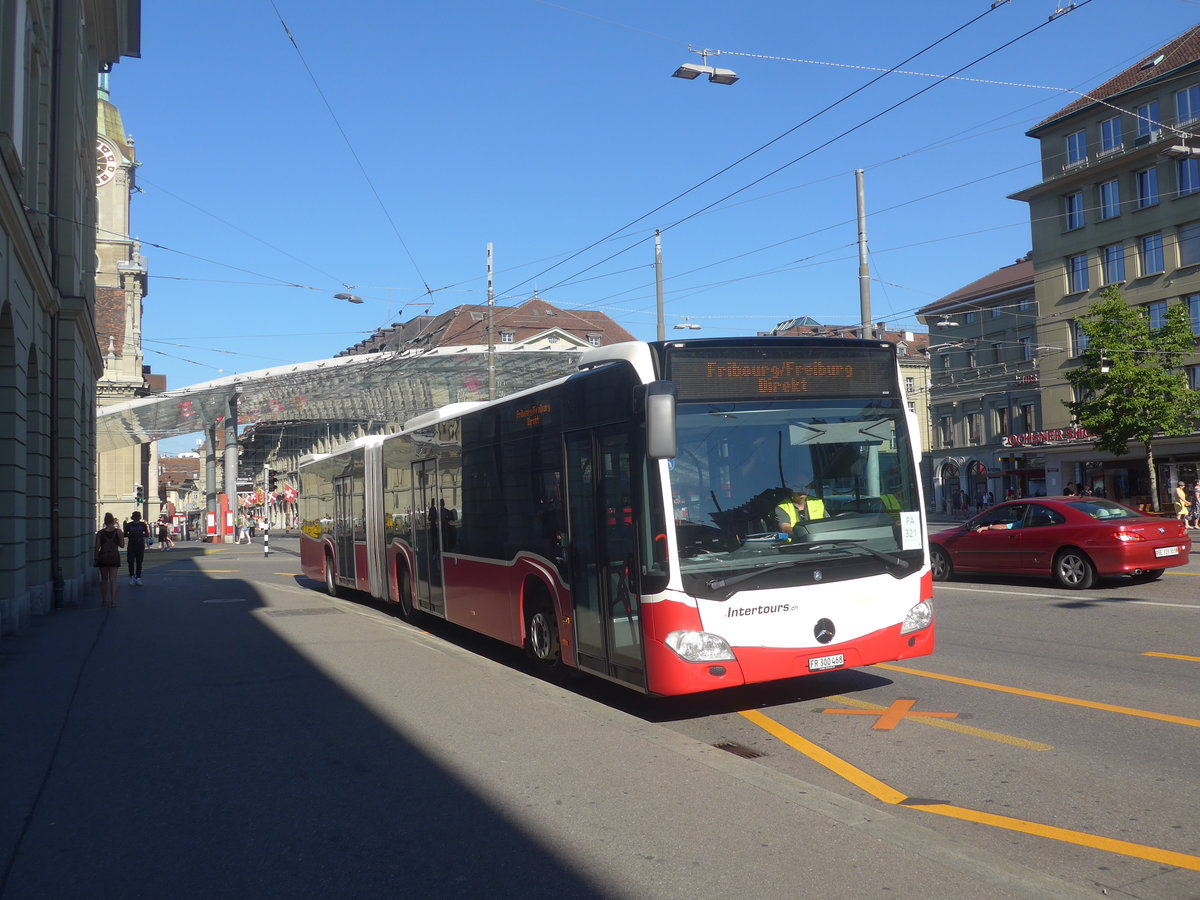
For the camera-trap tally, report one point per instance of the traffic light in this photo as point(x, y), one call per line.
point(140, 494)
point(271, 473)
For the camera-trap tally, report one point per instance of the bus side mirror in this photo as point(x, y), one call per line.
point(660, 420)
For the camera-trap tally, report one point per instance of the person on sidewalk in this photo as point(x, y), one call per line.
point(165, 541)
point(109, 542)
point(136, 533)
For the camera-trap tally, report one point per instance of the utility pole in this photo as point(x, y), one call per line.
point(662, 327)
point(491, 351)
point(864, 272)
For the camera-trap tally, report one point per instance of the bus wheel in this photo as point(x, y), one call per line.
point(541, 638)
point(331, 587)
point(404, 591)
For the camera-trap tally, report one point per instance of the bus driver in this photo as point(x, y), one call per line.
point(799, 509)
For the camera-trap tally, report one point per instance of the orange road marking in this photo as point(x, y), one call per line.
point(1172, 656)
point(951, 726)
point(887, 794)
point(1038, 695)
point(891, 717)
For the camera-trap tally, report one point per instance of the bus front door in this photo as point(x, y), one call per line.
point(427, 538)
point(600, 522)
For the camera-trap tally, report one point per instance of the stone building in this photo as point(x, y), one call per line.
point(51, 52)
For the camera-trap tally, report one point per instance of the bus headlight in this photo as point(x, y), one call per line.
point(699, 646)
point(920, 616)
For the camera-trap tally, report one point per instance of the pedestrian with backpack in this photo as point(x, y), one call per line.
point(109, 542)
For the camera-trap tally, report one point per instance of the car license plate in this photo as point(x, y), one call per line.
point(826, 662)
point(1167, 551)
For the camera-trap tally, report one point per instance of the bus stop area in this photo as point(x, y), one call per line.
point(230, 730)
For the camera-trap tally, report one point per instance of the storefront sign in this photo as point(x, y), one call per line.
point(1030, 378)
point(1052, 436)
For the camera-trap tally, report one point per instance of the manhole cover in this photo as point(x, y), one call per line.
point(738, 750)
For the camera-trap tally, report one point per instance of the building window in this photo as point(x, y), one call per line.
point(1193, 303)
point(1025, 304)
point(1193, 374)
point(997, 353)
point(946, 431)
point(1027, 417)
point(1157, 313)
point(902, 349)
point(1002, 420)
point(1150, 254)
point(1073, 211)
point(1112, 263)
point(974, 428)
point(1110, 200)
point(594, 340)
point(910, 384)
point(971, 363)
point(1189, 244)
point(1148, 120)
point(506, 337)
point(1187, 171)
point(945, 360)
point(1110, 135)
point(1077, 273)
point(1076, 148)
point(1187, 105)
point(1079, 340)
point(912, 406)
point(971, 317)
point(1147, 187)
point(1026, 348)
point(997, 311)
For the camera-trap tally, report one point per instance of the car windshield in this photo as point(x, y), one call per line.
point(754, 483)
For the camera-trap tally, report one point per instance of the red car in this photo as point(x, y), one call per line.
point(1075, 540)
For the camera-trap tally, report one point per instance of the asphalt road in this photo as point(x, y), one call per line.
point(229, 730)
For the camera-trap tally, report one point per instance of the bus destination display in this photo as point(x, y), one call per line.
point(786, 373)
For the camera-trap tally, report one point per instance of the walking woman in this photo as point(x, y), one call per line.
point(109, 542)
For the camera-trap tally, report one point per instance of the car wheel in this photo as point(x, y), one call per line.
point(939, 564)
point(1073, 570)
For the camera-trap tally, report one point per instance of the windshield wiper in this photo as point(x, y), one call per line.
point(848, 542)
point(715, 584)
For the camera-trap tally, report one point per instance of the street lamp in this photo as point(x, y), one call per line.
point(352, 298)
point(691, 71)
point(685, 325)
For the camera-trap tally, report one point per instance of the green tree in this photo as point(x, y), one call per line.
point(1143, 394)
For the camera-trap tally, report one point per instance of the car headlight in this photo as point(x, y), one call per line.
point(699, 646)
point(920, 616)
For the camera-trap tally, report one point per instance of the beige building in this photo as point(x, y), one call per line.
point(121, 285)
point(51, 52)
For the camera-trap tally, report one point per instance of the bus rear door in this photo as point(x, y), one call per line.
point(427, 538)
point(600, 522)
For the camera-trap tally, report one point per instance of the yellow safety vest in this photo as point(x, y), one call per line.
point(815, 508)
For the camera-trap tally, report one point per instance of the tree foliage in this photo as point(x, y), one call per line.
point(1144, 394)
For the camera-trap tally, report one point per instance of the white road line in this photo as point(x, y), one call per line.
point(955, 587)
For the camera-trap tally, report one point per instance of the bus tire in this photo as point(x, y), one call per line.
point(541, 637)
point(331, 587)
point(1073, 570)
point(408, 612)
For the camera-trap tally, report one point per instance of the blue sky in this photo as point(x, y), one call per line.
point(392, 142)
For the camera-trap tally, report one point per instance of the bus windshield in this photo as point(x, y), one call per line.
point(797, 482)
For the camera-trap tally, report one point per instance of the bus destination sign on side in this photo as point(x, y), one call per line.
point(532, 415)
point(781, 376)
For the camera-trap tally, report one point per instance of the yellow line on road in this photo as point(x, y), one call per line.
point(1038, 695)
point(890, 795)
point(953, 726)
point(1172, 656)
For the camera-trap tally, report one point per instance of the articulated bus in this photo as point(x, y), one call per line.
point(641, 519)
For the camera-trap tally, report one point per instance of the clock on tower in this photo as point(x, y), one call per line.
point(106, 162)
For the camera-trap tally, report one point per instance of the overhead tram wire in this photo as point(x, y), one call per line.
point(350, 147)
point(940, 80)
point(755, 152)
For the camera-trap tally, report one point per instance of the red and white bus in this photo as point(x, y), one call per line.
point(630, 520)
